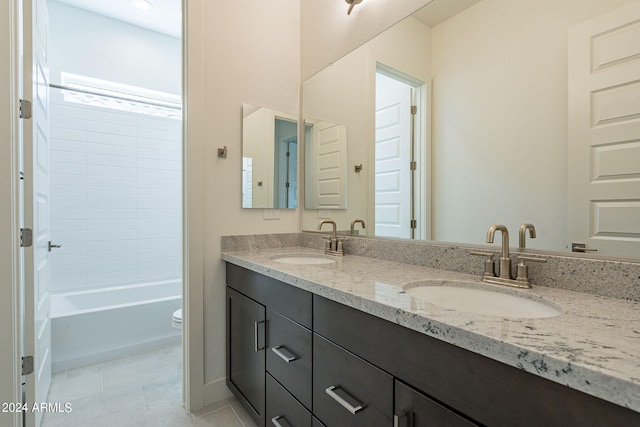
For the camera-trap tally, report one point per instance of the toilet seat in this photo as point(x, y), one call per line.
point(176, 319)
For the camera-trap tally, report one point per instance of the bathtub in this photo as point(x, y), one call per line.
point(93, 326)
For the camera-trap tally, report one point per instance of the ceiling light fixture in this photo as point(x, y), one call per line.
point(352, 3)
point(142, 4)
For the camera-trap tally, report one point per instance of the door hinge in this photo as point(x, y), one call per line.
point(24, 109)
point(414, 109)
point(413, 166)
point(286, 184)
point(288, 154)
point(414, 223)
point(26, 237)
point(27, 365)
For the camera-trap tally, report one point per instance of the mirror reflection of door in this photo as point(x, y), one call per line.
point(286, 170)
point(397, 203)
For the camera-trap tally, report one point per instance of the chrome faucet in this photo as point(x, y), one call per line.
point(333, 245)
point(356, 221)
point(523, 234)
point(505, 261)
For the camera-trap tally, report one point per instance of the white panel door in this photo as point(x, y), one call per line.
point(392, 158)
point(37, 315)
point(604, 132)
point(330, 142)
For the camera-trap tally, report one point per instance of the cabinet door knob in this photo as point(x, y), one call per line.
point(353, 409)
point(279, 350)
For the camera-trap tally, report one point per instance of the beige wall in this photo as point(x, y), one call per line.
point(328, 33)
point(238, 52)
point(500, 105)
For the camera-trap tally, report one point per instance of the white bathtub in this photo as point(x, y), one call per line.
point(93, 326)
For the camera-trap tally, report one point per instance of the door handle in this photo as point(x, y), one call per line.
point(279, 421)
point(52, 246)
point(581, 247)
point(346, 405)
point(279, 351)
point(255, 335)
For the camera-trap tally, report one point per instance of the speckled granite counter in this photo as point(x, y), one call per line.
point(594, 346)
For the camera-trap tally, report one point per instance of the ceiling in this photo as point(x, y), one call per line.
point(163, 17)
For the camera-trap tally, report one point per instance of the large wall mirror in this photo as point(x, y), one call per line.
point(269, 158)
point(478, 112)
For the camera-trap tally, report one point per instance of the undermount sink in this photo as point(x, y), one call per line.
point(303, 259)
point(461, 296)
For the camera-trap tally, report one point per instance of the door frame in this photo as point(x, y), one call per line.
point(10, 375)
point(10, 257)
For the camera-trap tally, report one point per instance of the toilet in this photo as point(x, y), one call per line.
point(176, 319)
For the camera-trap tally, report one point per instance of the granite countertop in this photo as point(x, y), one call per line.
point(593, 346)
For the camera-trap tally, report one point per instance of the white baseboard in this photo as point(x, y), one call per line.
point(215, 391)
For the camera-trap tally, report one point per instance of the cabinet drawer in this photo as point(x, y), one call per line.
point(289, 355)
point(283, 410)
point(414, 409)
point(348, 391)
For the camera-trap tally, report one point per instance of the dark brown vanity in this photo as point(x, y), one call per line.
point(298, 359)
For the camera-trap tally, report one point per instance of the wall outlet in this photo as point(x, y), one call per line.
point(324, 213)
point(271, 214)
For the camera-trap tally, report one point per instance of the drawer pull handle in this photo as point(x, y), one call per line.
point(353, 409)
point(255, 334)
point(277, 423)
point(277, 350)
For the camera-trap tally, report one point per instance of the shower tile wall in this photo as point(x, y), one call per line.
point(115, 197)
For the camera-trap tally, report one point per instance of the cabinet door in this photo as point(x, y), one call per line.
point(289, 355)
point(414, 409)
point(348, 391)
point(245, 352)
point(283, 410)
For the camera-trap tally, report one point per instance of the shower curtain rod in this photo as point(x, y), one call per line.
point(122, 98)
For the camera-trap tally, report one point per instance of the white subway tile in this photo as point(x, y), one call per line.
point(117, 256)
point(114, 278)
point(110, 139)
point(68, 145)
point(68, 270)
point(67, 213)
point(111, 171)
point(159, 135)
point(100, 235)
point(160, 123)
point(159, 145)
point(161, 212)
point(68, 134)
point(111, 128)
point(113, 213)
point(113, 117)
point(111, 203)
point(112, 192)
point(68, 123)
point(150, 153)
point(62, 225)
point(112, 245)
point(110, 149)
point(111, 160)
point(111, 224)
point(168, 165)
point(68, 203)
point(60, 259)
point(155, 242)
point(68, 283)
point(110, 182)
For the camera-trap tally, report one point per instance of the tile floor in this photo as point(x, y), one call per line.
point(140, 390)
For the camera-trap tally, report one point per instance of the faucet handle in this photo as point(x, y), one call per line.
point(489, 264)
point(523, 269)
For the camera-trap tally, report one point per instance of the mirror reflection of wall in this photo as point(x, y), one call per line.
point(498, 88)
point(269, 158)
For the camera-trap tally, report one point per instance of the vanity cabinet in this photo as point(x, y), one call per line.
point(336, 366)
point(347, 390)
point(414, 409)
point(245, 355)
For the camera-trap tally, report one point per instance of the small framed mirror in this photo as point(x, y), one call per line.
point(269, 158)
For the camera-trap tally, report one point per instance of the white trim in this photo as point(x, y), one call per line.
point(216, 391)
point(10, 351)
point(193, 224)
